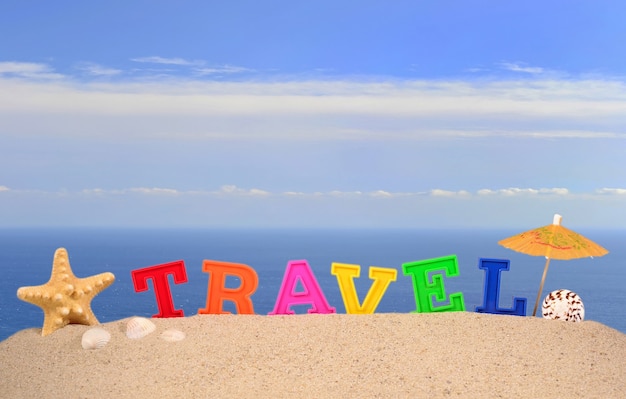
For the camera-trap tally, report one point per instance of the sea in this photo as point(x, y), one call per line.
point(26, 256)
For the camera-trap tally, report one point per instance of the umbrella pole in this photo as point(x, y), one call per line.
point(543, 279)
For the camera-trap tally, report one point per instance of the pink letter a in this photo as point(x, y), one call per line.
point(312, 294)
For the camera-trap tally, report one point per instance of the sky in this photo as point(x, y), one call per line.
point(342, 114)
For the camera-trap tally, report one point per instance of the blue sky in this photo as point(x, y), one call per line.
point(313, 114)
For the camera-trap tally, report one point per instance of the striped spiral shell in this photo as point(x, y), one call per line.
point(563, 305)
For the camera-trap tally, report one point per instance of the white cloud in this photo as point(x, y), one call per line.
point(232, 206)
point(93, 191)
point(517, 191)
point(98, 70)
point(319, 110)
point(337, 193)
point(568, 134)
point(381, 193)
point(198, 68)
point(166, 61)
point(257, 192)
point(612, 191)
point(234, 190)
point(28, 70)
point(477, 70)
point(556, 190)
point(22, 67)
point(445, 193)
point(519, 67)
point(229, 189)
point(224, 69)
point(154, 191)
point(513, 191)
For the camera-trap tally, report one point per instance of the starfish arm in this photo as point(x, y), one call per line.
point(61, 269)
point(93, 285)
point(37, 295)
point(53, 320)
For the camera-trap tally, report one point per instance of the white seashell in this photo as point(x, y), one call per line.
point(172, 335)
point(95, 338)
point(563, 305)
point(139, 327)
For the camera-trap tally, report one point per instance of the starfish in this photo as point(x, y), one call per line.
point(65, 299)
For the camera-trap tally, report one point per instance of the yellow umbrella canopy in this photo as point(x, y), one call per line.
point(554, 242)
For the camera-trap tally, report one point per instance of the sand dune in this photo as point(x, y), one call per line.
point(455, 354)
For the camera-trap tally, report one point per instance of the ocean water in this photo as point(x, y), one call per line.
point(26, 260)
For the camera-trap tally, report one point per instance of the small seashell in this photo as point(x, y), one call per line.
point(139, 327)
point(563, 305)
point(95, 338)
point(172, 335)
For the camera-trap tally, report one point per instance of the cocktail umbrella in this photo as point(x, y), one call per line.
point(554, 242)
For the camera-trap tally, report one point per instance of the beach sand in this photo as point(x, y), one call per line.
point(437, 355)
